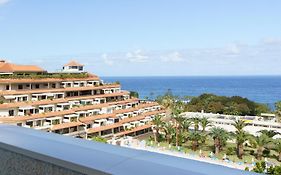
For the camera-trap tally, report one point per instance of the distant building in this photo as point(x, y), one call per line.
point(253, 124)
point(73, 67)
point(71, 102)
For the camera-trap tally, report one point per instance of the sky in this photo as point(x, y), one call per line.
point(145, 37)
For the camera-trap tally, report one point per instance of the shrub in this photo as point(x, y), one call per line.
point(99, 139)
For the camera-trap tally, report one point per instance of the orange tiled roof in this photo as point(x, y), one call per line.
point(45, 102)
point(11, 68)
point(73, 63)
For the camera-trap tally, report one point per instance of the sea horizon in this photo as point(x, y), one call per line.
point(264, 89)
point(105, 76)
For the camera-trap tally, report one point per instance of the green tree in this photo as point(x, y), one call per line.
point(178, 119)
point(169, 131)
point(269, 133)
point(194, 137)
point(219, 135)
point(186, 123)
point(196, 121)
point(157, 124)
point(241, 136)
point(205, 123)
point(167, 100)
point(260, 143)
point(134, 94)
point(277, 146)
point(178, 124)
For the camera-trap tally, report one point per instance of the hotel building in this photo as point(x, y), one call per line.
point(71, 102)
point(253, 124)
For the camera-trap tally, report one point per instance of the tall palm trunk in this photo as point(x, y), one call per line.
point(194, 145)
point(196, 127)
point(259, 153)
point(240, 150)
point(177, 137)
point(217, 146)
point(156, 136)
point(168, 138)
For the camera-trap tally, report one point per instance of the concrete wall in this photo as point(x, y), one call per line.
point(17, 164)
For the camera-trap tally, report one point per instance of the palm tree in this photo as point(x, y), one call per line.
point(205, 123)
point(157, 124)
point(178, 120)
point(260, 142)
point(196, 122)
point(239, 125)
point(269, 133)
point(241, 137)
point(194, 137)
point(278, 148)
point(186, 124)
point(178, 125)
point(219, 135)
point(169, 131)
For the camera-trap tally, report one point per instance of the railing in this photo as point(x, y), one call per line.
point(28, 151)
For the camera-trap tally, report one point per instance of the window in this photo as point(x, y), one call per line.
point(29, 123)
point(20, 86)
point(37, 86)
point(24, 98)
point(53, 85)
point(11, 112)
point(7, 87)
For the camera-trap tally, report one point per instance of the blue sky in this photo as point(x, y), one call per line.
point(145, 37)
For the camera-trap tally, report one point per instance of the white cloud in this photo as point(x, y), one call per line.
point(107, 60)
point(173, 57)
point(232, 49)
point(3, 2)
point(137, 56)
point(271, 40)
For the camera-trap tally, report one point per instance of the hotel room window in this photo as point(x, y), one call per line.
point(20, 86)
point(11, 113)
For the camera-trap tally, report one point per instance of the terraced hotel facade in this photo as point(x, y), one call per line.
point(71, 102)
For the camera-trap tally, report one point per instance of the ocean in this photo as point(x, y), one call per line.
point(262, 89)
